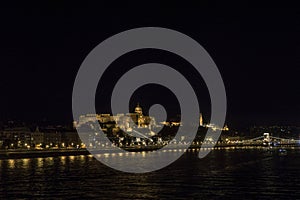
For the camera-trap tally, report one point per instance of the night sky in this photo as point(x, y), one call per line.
point(256, 50)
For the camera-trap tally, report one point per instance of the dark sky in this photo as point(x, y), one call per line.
point(256, 50)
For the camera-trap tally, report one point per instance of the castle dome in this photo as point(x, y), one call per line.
point(138, 109)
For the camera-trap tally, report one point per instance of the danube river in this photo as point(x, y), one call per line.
point(224, 173)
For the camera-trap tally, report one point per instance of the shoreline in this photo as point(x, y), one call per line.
point(15, 154)
point(41, 153)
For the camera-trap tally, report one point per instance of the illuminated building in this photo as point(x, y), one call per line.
point(127, 122)
point(37, 138)
point(201, 120)
point(52, 139)
point(138, 109)
point(16, 137)
point(70, 139)
point(212, 126)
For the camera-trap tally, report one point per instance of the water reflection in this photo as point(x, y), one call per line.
point(72, 158)
point(224, 173)
point(11, 163)
point(25, 162)
point(63, 160)
point(40, 162)
point(49, 161)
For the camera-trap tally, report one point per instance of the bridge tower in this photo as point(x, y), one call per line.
point(267, 138)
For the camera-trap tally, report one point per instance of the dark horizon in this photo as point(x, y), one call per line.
point(256, 51)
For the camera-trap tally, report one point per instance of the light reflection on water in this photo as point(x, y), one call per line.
point(40, 162)
point(224, 173)
point(11, 163)
point(25, 162)
point(63, 160)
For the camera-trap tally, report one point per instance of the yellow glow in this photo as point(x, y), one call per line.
point(25, 162)
point(11, 163)
point(106, 155)
point(40, 162)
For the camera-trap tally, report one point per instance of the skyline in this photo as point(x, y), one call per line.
point(164, 101)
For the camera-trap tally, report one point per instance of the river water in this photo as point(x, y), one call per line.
point(224, 173)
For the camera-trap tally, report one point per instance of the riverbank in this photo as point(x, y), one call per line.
point(41, 153)
point(18, 153)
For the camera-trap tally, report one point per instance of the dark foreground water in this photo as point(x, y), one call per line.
point(226, 173)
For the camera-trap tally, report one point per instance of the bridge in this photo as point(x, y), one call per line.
point(268, 140)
